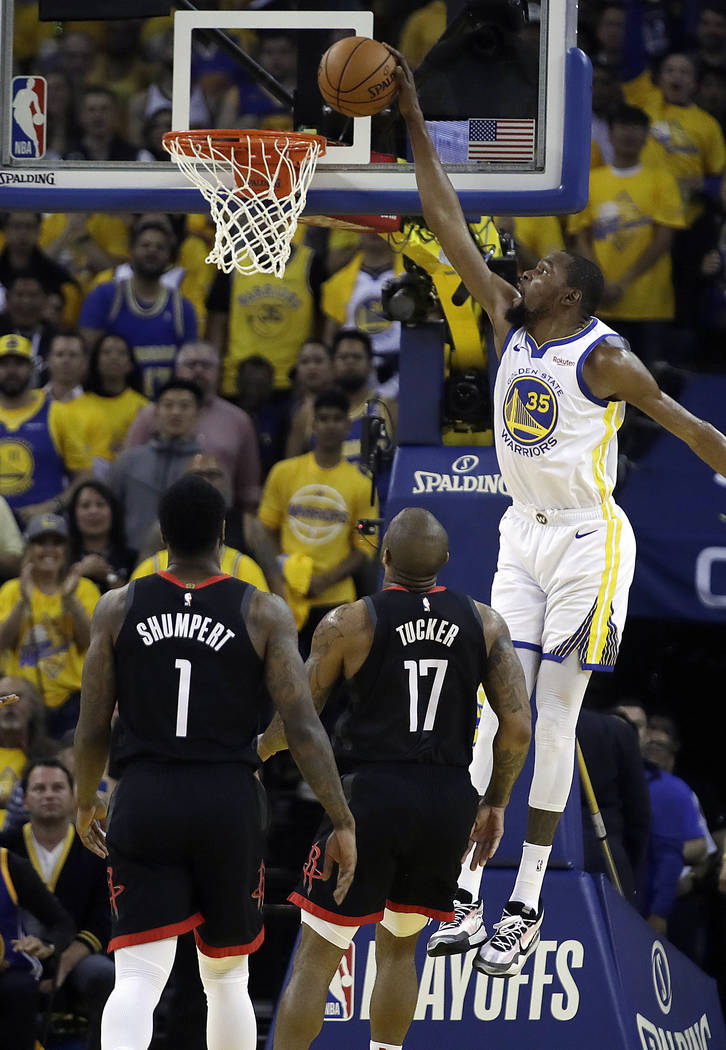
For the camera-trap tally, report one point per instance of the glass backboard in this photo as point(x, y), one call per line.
point(490, 70)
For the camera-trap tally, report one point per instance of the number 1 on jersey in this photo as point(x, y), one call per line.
point(420, 669)
point(184, 667)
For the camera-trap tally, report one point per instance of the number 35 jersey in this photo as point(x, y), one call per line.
point(556, 442)
point(190, 683)
point(414, 697)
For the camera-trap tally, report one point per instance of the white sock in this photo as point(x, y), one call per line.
point(231, 1023)
point(470, 880)
point(375, 1045)
point(532, 868)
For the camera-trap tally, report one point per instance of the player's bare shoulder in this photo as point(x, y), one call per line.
point(347, 627)
point(611, 368)
point(268, 617)
point(110, 611)
point(496, 631)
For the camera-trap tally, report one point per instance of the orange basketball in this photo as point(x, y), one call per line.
point(355, 76)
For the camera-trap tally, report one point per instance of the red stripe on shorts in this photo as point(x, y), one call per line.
point(160, 933)
point(418, 909)
point(331, 916)
point(223, 953)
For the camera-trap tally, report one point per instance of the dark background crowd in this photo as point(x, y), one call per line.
point(126, 359)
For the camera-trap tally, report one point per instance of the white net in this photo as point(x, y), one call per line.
point(255, 186)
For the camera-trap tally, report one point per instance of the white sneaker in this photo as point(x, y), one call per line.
point(517, 936)
point(465, 931)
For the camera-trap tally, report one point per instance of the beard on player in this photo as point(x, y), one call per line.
point(519, 315)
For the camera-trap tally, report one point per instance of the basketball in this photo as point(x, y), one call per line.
point(355, 76)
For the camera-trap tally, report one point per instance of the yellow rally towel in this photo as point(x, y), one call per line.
point(297, 571)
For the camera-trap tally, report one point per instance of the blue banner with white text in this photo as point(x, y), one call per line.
point(600, 978)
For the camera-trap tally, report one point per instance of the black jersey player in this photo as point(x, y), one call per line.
point(413, 656)
point(187, 653)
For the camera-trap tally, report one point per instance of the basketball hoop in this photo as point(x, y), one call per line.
point(255, 183)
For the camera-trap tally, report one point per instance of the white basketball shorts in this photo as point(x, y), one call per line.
point(562, 581)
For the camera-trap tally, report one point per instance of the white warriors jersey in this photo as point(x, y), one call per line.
point(556, 442)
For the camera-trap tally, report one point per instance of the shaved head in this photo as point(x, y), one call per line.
point(415, 545)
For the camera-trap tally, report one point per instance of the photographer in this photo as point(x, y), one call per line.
point(482, 54)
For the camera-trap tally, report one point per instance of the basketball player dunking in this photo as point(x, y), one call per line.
point(413, 656)
point(567, 551)
point(187, 652)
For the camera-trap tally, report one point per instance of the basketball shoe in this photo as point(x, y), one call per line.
point(516, 937)
point(465, 930)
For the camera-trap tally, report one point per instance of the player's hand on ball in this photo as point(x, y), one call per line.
point(340, 849)
point(91, 827)
point(407, 94)
point(9, 698)
point(485, 835)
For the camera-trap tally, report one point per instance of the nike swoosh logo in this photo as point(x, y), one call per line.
point(581, 535)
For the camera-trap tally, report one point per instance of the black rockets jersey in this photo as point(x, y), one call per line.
point(414, 698)
point(190, 684)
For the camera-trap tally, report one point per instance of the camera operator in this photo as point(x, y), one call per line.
point(482, 55)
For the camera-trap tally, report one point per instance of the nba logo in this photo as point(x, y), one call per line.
point(28, 118)
point(339, 1004)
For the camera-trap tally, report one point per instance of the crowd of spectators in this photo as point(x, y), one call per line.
point(125, 360)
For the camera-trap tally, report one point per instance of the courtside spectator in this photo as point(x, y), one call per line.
point(85, 974)
point(41, 445)
point(223, 430)
point(24, 314)
point(45, 621)
point(310, 508)
point(141, 475)
point(260, 315)
point(23, 256)
point(153, 319)
point(113, 386)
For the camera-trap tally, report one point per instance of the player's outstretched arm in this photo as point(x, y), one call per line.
point(443, 213)
point(614, 373)
point(506, 692)
point(93, 732)
point(273, 633)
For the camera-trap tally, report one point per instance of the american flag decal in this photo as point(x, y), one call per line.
point(491, 138)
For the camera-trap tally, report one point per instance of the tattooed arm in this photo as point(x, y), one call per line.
point(272, 632)
point(507, 694)
point(93, 732)
point(340, 644)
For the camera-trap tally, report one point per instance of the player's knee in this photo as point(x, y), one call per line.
point(230, 968)
point(555, 729)
point(403, 924)
point(334, 933)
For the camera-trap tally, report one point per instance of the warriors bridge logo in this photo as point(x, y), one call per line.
point(530, 412)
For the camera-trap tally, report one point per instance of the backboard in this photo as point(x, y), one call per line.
point(488, 73)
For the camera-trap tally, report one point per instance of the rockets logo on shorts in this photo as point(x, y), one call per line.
point(310, 867)
point(28, 118)
point(114, 891)
point(339, 1004)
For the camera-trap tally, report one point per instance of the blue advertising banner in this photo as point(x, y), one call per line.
point(677, 507)
point(676, 504)
point(464, 489)
point(599, 979)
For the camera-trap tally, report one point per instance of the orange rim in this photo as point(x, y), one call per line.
point(236, 142)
